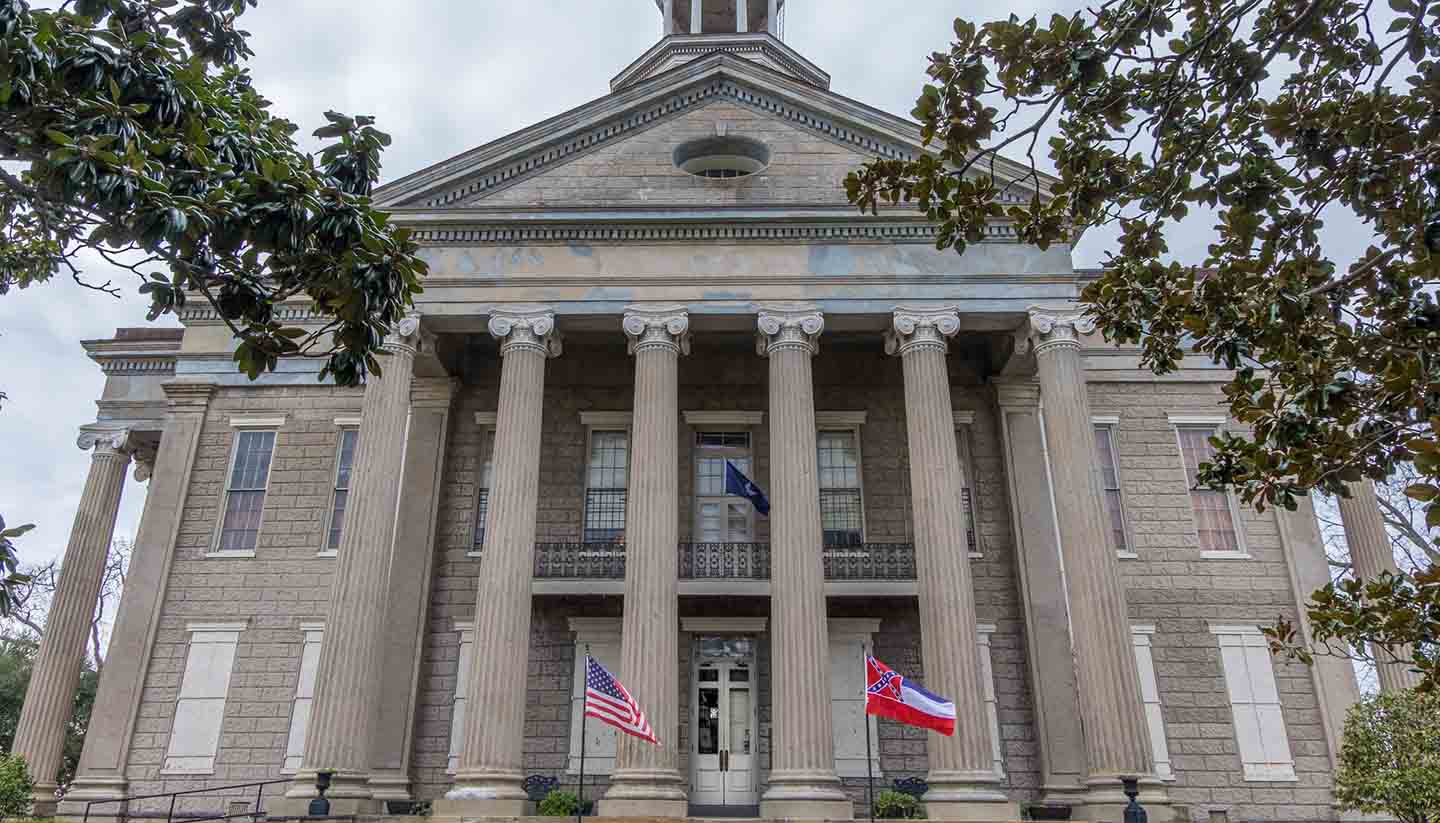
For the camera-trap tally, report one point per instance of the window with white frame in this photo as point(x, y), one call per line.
point(967, 489)
point(1215, 521)
point(601, 637)
point(314, 634)
point(344, 470)
point(1109, 465)
point(842, 515)
point(719, 517)
point(849, 639)
point(482, 492)
point(200, 707)
point(1255, 701)
point(605, 487)
point(245, 490)
point(1150, 696)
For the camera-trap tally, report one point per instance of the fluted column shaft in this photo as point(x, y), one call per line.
point(647, 781)
point(1371, 553)
point(50, 697)
point(961, 767)
point(802, 747)
point(347, 683)
point(491, 764)
point(1117, 742)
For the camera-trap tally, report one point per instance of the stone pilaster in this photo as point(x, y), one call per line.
point(491, 768)
point(803, 783)
point(647, 780)
point(50, 698)
point(1370, 554)
point(963, 783)
point(1117, 742)
point(101, 773)
point(409, 587)
point(1042, 591)
point(347, 682)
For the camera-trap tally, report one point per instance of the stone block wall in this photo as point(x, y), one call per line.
point(283, 585)
point(286, 584)
point(1171, 587)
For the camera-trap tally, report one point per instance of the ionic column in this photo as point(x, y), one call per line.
point(803, 783)
point(963, 783)
point(347, 682)
point(647, 781)
point(1371, 553)
point(1117, 742)
point(491, 768)
point(50, 698)
point(101, 773)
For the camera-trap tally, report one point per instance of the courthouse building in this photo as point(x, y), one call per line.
point(399, 583)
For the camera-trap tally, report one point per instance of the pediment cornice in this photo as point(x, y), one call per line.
point(716, 78)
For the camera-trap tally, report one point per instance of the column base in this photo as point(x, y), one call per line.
point(988, 811)
point(485, 793)
point(966, 795)
point(349, 794)
point(645, 793)
point(388, 787)
point(94, 789)
point(43, 801)
point(806, 795)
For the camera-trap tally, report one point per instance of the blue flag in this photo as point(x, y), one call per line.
point(738, 484)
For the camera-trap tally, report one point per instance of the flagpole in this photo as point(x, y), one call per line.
point(865, 718)
point(584, 709)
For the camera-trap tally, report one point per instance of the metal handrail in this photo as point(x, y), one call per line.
point(174, 796)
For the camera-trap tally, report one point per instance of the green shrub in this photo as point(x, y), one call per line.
point(559, 803)
point(15, 787)
point(1390, 757)
point(893, 805)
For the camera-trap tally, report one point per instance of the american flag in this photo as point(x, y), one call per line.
point(607, 701)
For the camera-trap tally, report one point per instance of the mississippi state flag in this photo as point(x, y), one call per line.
point(887, 694)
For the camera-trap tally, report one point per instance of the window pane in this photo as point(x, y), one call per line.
point(348, 440)
point(337, 518)
point(605, 516)
point(252, 460)
point(1196, 449)
point(487, 469)
point(482, 495)
point(839, 463)
point(1110, 485)
point(1213, 522)
point(608, 453)
point(840, 517)
point(242, 521)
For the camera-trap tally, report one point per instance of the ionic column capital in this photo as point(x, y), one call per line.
point(1054, 327)
point(408, 337)
point(529, 328)
point(658, 327)
point(923, 329)
point(118, 443)
point(789, 326)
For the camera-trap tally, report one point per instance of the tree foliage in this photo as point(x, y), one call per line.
point(17, 660)
point(1390, 757)
point(15, 787)
point(146, 146)
point(1274, 115)
point(11, 580)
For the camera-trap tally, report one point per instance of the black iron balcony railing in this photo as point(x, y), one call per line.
point(580, 561)
point(870, 561)
point(724, 561)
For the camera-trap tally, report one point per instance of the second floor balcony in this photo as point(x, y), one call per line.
point(724, 568)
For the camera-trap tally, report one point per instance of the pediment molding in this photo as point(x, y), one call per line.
point(719, 89)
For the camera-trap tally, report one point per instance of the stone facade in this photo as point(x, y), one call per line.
point(519, 335)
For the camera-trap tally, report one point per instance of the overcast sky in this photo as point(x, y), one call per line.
point(442, 76)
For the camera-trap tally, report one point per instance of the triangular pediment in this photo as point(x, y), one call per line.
point(617, 150)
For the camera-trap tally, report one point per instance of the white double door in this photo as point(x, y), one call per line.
point(723, 755)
